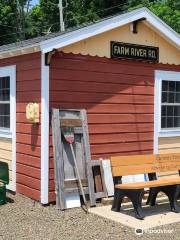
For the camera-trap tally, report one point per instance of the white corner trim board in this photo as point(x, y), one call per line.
point(11, 133)
point(158, 132)
point(44, 131)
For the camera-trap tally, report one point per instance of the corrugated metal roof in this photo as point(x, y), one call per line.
point(29, 42)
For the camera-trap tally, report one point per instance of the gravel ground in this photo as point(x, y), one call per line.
point(22, 218)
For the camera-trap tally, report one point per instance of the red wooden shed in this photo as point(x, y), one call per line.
point(124, 70)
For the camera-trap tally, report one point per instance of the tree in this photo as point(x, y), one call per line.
point(169, 12)
point(8, 22)
point(12, 20)
point(76, 13)
point(19, 21)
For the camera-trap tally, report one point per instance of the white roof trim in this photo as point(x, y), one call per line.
point(109, 24)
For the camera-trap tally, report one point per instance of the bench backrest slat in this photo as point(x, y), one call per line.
point(137, 164)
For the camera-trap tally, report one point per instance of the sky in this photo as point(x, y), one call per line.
point(34, 2)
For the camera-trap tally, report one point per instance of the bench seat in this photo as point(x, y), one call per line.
point(149, 184)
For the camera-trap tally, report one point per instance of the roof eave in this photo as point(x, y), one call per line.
point(64, 40)
point(20, 51)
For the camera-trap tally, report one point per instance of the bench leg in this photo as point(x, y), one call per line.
point(118, 197)
point(173, 192)
point(153, 192)
point(136, 197)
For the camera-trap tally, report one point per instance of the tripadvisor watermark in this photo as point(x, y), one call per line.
point(141, 231)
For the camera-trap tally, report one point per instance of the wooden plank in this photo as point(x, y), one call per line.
point(169, 174)
point(88, 158)
point(4, 154)
point(156, 183)
point(74, 183)
point(144, 159)
point(145, 168)
point(6, 144)
point(58, 162)
point(76, 190)
point(68, 160)
point(132, 160)
point(97, 179)
point(168, 141)
point(173, 150)
point(70, 123)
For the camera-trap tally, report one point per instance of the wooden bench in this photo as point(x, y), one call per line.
point(151, 165)
point(4, 180)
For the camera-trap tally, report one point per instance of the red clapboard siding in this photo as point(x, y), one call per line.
point(94, 97)
point(119, 99)
point(32, 139)
point(106, 156)
point(28, 191)
point(26, 86)
point(106, 108)
point(29, 128)
point(28, 181)
point(28, 149)
point(29, 160)
point(28, 171)
point(120, 118)
point(120, 137)
point(100, 77)
point(28, 82)
point(120, 128)
point(89, 87)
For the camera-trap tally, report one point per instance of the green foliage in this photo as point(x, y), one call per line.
point(169, 12)
point(34, 22)
point(8, 21)
point(18, 21)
